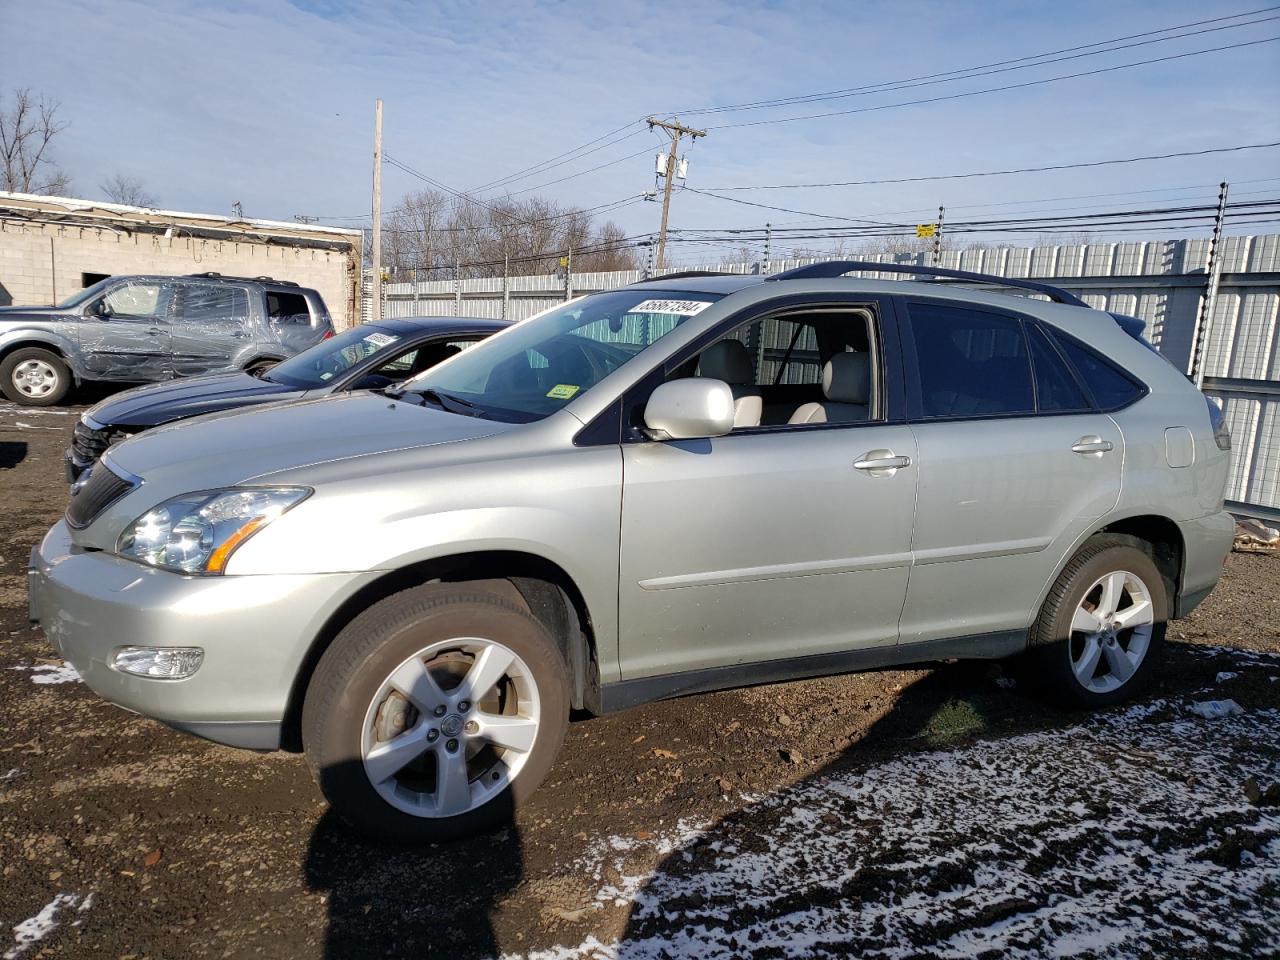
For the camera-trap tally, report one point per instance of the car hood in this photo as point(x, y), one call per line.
point(13, 314)
point(160, 403)
point(222, 449)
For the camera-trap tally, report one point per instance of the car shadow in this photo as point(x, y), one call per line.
point(433, 900)
point(12, 453)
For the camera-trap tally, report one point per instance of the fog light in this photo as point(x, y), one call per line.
point(158, 663)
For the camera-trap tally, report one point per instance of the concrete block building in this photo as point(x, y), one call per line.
point(50, 247)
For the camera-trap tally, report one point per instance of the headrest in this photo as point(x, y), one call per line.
point(846, 378)
point(728, 360)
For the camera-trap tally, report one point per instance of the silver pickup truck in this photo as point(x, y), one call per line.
point(140, 329)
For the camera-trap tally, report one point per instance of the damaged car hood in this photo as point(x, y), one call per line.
point(179, 399)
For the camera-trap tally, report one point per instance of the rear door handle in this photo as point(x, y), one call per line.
point(1092, 446)
point(881, 463)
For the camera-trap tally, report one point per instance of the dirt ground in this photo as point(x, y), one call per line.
point(896, 814)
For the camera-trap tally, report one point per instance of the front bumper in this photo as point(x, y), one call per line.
point(255, 632)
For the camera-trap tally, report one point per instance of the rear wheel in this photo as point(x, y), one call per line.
point(434, 713)
point(1102, 626)
point(34, 377)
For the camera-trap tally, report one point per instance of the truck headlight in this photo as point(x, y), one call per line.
point(198, 532)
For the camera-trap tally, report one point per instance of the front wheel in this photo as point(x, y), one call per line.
point(434, 713)
point(34, 377)
point(1102, 626)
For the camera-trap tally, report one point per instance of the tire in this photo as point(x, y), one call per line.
point(259, 367)
point(34, 377)
point(1063, 643)
point(352, 713)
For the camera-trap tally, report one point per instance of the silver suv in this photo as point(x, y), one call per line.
point(677, 486)
point(140, 329)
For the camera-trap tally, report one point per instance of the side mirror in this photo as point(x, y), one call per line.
point(101, 309)
point(693, 408)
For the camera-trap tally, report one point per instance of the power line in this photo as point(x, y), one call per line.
point(715, 191)
point(560, 159)
point(1006, 87)
point(966, 73)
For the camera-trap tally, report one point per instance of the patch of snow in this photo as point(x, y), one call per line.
point(10, 775)
point(1215, 709)
point(45, 673)
point(34, 929)
point(1225, 675)
point(1121, 836)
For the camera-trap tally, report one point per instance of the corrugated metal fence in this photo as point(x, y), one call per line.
point(1161, 282)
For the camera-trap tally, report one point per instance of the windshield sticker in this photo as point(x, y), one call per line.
point(380, 339)
point(684, 308)
point(563, 391)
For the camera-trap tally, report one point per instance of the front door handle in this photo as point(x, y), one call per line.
point(881, 463)
point(1092, 446)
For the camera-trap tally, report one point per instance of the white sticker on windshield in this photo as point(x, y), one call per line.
point(380, 339)
point(685, 308)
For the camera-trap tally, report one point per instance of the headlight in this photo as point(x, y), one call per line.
point(198, 532)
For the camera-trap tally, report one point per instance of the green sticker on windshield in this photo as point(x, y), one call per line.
point(563, 391)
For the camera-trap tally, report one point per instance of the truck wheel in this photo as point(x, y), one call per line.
point(34, 377)
point(434, 713)
point(1102, 626)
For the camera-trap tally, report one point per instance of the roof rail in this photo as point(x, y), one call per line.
point(687, 274)
point(838, 268)
point(213, 275)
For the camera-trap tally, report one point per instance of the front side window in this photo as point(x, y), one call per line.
point(534, 368)
point(970, 363)
point(796, 368)
point(330, 358)
point(137, 300)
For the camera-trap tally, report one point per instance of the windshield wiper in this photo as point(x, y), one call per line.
point(441, 400)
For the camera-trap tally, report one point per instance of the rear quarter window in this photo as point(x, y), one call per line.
point(1112, 387)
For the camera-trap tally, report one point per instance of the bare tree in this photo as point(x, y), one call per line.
point(122, 188)
point(437, 234)
point(27, 127)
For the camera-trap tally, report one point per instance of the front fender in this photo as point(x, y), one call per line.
point(67, 346)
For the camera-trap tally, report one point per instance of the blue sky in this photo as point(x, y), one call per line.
point(271, 103)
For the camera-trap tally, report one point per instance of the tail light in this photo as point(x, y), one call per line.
point(328, 334)
point(1218, 420)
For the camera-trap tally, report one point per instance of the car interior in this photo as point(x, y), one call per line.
point(807, 367)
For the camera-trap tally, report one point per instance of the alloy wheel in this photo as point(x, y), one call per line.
point(1111, 631)
point(451, 727)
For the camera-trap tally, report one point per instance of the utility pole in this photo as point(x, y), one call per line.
point(377, 211)
point(675, 131)
point(937, 236)
point(1213, 269)
point(768, 247)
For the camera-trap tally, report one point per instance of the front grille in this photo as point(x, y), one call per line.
point(102, 489)
point(89, 444)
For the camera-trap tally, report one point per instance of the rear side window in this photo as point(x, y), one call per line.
point(287, 308)
point(1111, 387)
point(1056, 388)
point(970, 363)
point(214, 304)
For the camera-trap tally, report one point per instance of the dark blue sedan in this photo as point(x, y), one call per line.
point(367, 357)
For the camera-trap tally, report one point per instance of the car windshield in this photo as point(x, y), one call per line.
point(533, 369)
point(84, 296)
point(329, 358)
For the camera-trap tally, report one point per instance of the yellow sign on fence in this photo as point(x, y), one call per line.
point(926, 229)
